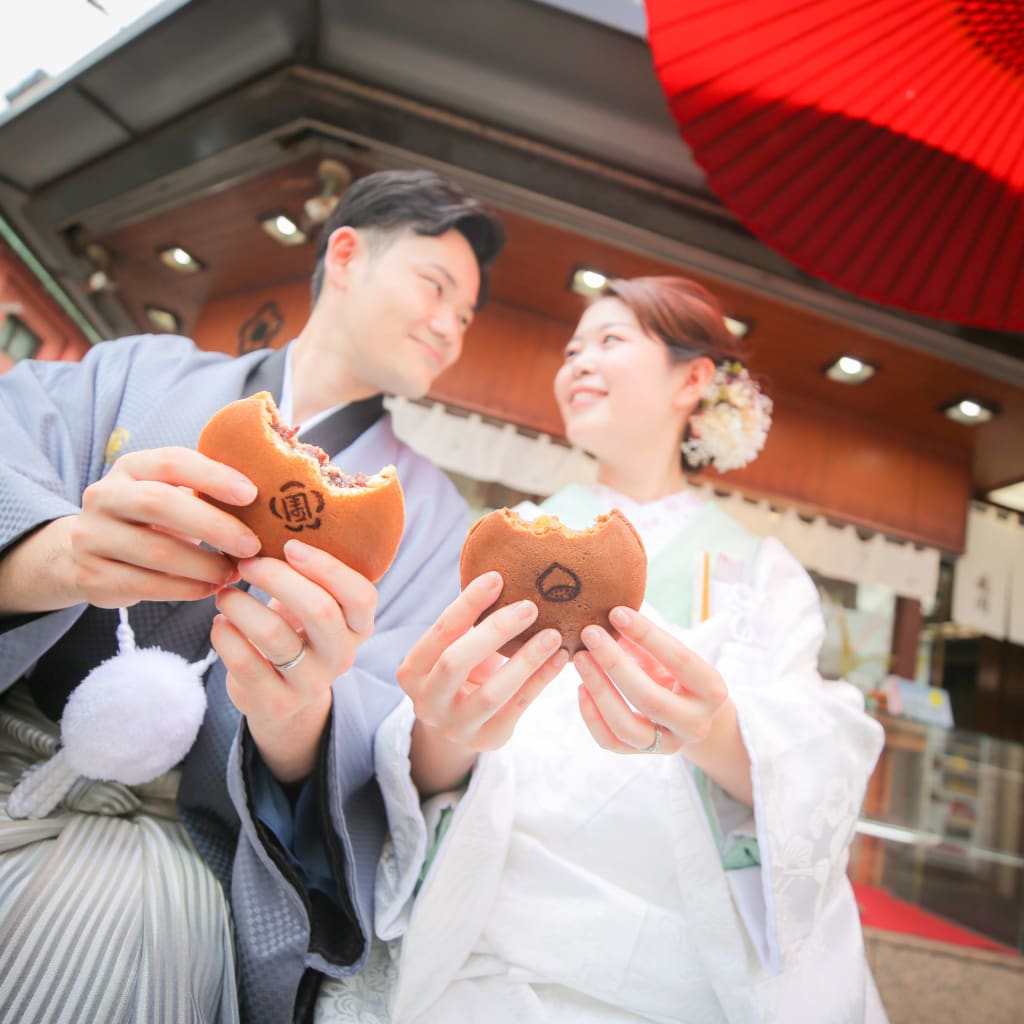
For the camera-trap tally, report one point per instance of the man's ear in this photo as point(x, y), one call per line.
point(696, 377)
point(343, 247)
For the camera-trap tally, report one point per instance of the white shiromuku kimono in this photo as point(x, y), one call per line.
point(569, 883)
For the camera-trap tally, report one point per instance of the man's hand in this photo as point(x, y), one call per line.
point(137, 538)
point(320, 613)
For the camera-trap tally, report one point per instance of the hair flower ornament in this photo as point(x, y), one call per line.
point(730, 424)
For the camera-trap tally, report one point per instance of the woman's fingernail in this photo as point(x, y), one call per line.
point(492, 580)
point(526, 610)
point(621, 617)
point(593, 636)
point(548, 639)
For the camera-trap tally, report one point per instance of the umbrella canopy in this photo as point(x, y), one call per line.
point(877, 144)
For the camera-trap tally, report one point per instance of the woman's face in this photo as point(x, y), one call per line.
point(617, 385)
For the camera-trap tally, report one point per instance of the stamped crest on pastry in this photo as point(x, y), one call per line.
point(556, 583)
point(298, 506)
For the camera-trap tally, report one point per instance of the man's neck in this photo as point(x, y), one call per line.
point(321, 378)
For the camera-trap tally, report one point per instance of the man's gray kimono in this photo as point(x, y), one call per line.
point(61, 427)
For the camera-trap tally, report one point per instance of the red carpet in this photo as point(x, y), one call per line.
point(880, 910)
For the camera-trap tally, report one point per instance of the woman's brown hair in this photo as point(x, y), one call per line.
point(682, 313)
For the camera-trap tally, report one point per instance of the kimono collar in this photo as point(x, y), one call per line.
point(333, 430)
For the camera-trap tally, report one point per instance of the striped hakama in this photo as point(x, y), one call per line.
point(107, 911)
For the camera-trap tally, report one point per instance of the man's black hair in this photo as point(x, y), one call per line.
point(418, 201)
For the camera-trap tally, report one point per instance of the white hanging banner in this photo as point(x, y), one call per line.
point(1015, 625)
point(981, 580)
point(484, 451)
point(540, 465)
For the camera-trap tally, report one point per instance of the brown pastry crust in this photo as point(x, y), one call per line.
point(358, 519)
point(575, 577)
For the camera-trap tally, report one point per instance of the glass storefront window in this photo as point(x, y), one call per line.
point(943, 828)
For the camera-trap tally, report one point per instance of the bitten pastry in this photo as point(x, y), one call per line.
point(575, 577)
point(358, 518)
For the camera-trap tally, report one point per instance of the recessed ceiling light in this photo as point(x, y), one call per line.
point(163, 319)
point(181, 260)
point(970, 410)
point(283, 229)
point(587, 281)
point(737, 328)
point(849, 369)
point(1010, 496)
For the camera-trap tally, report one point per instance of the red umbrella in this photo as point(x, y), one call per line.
point(878, 144)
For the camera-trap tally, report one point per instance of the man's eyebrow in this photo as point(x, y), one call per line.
point(447, 275)
point(444, 272)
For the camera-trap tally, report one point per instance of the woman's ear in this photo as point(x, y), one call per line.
point(696, 378)
point(343, 247)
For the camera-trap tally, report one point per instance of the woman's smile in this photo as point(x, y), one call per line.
point(585, 395)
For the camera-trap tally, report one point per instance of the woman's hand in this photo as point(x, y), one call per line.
point(680, 703)
point(466, 696)
point(283, 657)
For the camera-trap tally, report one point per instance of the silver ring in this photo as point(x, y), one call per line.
point(285, 665)
point(653, 748)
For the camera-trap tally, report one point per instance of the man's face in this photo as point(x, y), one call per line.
point(409, 302)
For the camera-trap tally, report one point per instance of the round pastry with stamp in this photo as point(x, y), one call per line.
point(575, 577)
point(357, 518)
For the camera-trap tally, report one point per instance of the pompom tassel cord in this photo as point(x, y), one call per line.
point(131, 719)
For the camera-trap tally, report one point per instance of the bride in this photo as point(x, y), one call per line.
point(658, 829)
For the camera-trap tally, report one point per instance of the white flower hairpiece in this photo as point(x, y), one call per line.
point(730, 424)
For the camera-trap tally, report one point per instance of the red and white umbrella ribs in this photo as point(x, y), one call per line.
point(877, 144)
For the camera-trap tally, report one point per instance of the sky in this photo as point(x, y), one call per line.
point(52, 35)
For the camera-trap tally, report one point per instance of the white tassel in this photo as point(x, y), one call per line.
point(41, 788)
point(132, 718)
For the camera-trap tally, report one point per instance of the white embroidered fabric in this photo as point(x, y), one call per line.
point(578, 885)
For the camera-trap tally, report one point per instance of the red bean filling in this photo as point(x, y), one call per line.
point(331, 474)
